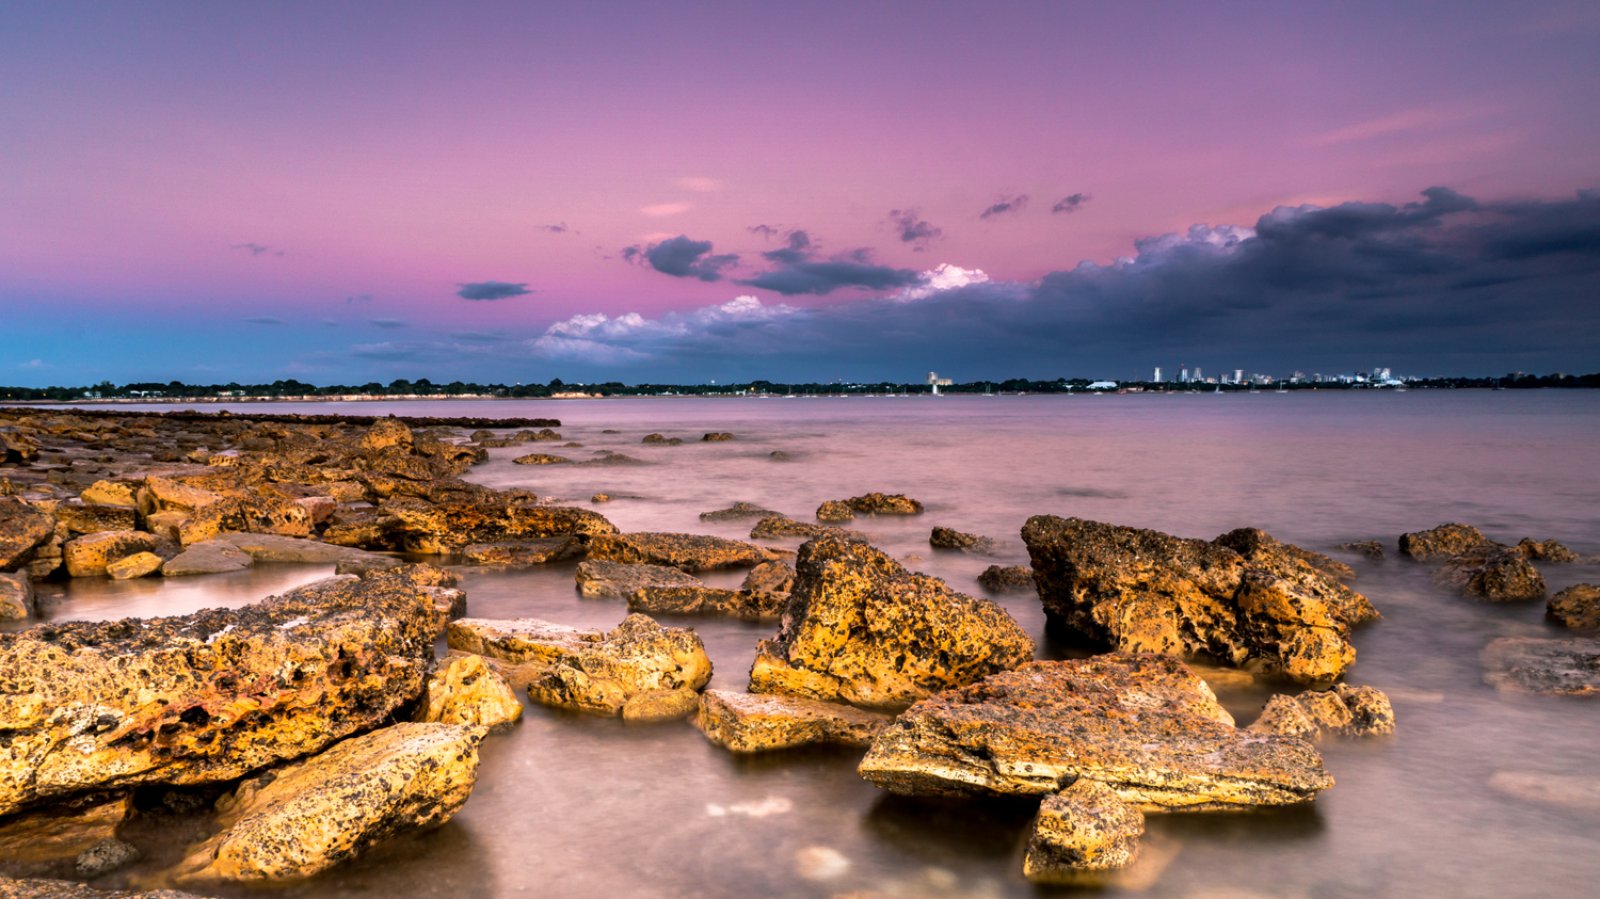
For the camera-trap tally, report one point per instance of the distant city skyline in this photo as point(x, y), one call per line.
point(648, 192)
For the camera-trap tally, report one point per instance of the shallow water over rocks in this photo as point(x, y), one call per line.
point(1457, 802)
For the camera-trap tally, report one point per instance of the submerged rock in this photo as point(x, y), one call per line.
point(598, 579)
point(1007, 579)
point(1371, 549)
point(466, 690)
point(1443, 542)
point(1343, 709)
point(207, 697)
point(1144, 591)
point(716, 437)
point(862, 629)
point(883, 504)
point(1497, 574)
point(661, 440)
point(1577, 607)
point(1545, 551)
point(776, 526)
point(687, 552)
point(738, 511)
point(627, 671)
point(541, 459)
point(752, 722)
point(1142, 724)
point(1085, 827)
point(303, 818)
point(949, 538)
point(1561, 667)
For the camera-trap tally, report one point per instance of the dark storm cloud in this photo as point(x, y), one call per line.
point(491, 290)
point(682, 257)
point(1070, 203)
point(824, 276)
point(1444, 285)
point(913, 228)
point(767, 231)
point(1006, 204)
point(796, 249)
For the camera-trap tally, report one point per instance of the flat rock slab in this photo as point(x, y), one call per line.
point(1142, 724)
point(687, 552)
point(304, 818)
point(208, 557)
point(523, 552)
point(1560, 667)
point(1244, 599)
point(753, 722)
point(638, 669)
point(742, 604)
point(737, 511)
point(210, 696)
point(278, 548)
point(860, 628)
point(599, 579)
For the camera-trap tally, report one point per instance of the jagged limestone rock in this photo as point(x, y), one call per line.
point(599, 579)
point(466, 690)
point(1138, 590)
point(1342, 709)
point(207, 697)
point(861, 629)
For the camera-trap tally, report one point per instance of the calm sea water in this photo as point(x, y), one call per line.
point(568, 805)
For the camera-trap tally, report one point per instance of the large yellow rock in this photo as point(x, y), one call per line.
point(112, 493)
point(387, 432)
point(134, 566)
point(253, 514)
point(207, 697)
point(466, 690)
point(91, 554)
point(592, 671)
point(861, 629)
point(306, 817)
point(1244, 599)
point(22, 529)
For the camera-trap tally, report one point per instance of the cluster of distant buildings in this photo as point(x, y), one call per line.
point(1377, 377)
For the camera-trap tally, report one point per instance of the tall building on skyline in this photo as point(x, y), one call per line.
point(1157, 377)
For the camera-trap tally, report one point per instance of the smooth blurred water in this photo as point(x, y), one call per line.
point(569, 805)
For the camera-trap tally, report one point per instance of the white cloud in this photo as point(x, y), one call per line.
point(662, 210)
point(940, 278)
point(596, 336)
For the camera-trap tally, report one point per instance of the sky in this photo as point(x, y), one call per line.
point(653, 192)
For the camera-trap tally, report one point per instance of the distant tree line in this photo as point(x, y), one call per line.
point(424, 387)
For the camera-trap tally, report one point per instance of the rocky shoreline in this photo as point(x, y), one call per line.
point(323, 721)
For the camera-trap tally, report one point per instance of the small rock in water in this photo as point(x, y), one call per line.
point(1085, 827)
point(835, 510)
point(717, 437)
point(600, 498)
point(135, 566)
point(737, 511)
point(1343, 709)
point(756, 722)
point(1442, 542)
point(466, 690)
point(1545, 550)
point(817, 863)
point(541, 459)
point(1577, 607)
point(949, 538)
point(661, 440)
point(104, 857)
point(1497, 574)
point(1007, 579)
point(599, 579)
point(1371, 549)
